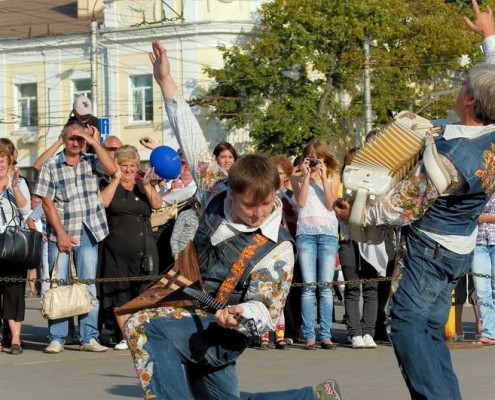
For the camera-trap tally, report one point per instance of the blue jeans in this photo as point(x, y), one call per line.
point(316, 254)
point(419, 311)
point(484, 263)
point(86, 260)
point(191, 356)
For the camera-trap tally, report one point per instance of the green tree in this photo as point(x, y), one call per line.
point(283, 83)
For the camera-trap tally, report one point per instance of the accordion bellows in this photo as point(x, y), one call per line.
point(379, 165)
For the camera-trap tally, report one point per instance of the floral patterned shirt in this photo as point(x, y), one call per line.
point(271, 278)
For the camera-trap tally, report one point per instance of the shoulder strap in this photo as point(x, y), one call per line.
point(238, 268)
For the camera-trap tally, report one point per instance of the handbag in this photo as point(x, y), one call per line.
point(68, 300)
point(19, 244)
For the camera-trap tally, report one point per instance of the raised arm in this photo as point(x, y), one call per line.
point(107, 162)
point(187, 130)
point(48, 153)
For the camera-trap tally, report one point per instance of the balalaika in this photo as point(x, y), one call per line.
point(380, 164)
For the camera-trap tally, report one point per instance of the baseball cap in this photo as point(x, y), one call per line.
point(82, 105)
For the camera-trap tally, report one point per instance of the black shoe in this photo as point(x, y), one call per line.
point(16, 349)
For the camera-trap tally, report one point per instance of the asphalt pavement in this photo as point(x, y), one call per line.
point(361, 374)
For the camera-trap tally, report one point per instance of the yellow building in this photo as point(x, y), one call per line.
point(50, 53)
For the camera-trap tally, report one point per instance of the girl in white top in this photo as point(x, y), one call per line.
point(317, 236)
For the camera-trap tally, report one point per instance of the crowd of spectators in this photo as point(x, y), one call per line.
point(112, 237)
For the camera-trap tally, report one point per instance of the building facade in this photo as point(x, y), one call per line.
point(42, 73)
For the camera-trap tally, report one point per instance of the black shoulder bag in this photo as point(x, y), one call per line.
point(18, 244)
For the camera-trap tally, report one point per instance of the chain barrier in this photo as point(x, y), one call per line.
point(153, 278)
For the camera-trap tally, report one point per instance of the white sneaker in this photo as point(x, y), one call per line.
point(357, 342)
point(54, 347)
point(93, 346)
point(122, 345)
point(369, 343)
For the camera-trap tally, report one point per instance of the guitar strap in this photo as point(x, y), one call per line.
point(238, 268)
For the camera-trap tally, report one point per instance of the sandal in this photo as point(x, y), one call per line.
point(328, 345)
point(310, 345)
point(485, 341)
point(281, 345)
point(30, 294)
point(264, 345)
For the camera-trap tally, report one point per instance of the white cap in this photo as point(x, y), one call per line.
point(82, 105)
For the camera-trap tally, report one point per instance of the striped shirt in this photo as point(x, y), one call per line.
point(75, 193)
point(486, 231)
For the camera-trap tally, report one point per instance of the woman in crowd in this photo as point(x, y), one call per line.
point(225, 155)
point(484, 263)
point(14, 204)
point(315, 191)
point(129, 249)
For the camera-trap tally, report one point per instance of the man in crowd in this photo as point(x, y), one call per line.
point(76, 222)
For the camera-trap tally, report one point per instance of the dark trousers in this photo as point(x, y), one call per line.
point(354, 267)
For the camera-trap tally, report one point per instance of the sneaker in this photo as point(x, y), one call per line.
point(122, 345)
point(357, 342)
point(54, 347)
point(369, 343)
point(93, 346)
point(328, 390)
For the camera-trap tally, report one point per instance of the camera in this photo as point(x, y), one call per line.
point(313, 163)
point(147, 263)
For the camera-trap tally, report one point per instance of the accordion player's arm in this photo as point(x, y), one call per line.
point(411, 197)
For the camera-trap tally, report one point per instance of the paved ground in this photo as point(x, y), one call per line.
point(362, 374)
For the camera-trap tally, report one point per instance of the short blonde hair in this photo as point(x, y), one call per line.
point(127, 153)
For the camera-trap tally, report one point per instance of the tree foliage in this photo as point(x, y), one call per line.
point(284, 83)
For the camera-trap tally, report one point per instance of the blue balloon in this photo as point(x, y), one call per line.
point(166, 162)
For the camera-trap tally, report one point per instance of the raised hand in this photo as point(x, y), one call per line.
point(161, 68)
point(483, 21)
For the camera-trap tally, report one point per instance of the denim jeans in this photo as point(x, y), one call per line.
point(484, 263)
point(179, 358)
point(419, 311)
point(45, 269)
point(316, 254)
point(355, 267)
point(86, 260)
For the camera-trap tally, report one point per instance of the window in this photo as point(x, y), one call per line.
point(142, 98)
point(28, 105)
point(82, 87)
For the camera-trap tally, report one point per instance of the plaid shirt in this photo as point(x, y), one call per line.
point(486, 232)
point(76, 195)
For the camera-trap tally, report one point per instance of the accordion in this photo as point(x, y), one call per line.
point(379, 165)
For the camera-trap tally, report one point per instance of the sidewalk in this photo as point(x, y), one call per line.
point(361, 374)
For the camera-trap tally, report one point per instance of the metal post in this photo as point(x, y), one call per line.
point(368, 123)
point(94, 72)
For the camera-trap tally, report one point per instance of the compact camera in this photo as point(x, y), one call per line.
point(313, 163)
